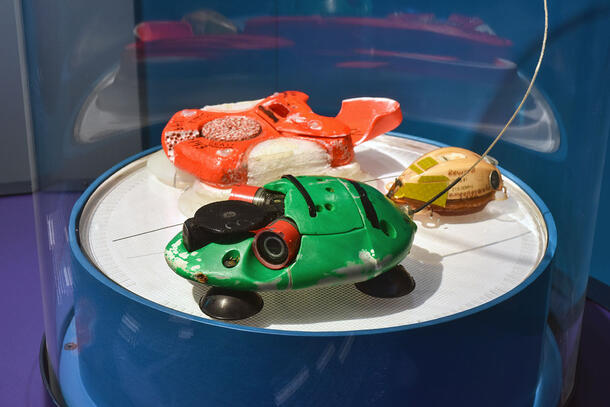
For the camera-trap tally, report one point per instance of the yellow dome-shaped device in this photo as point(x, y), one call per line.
point(434, 171)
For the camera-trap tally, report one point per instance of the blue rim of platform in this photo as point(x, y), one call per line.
point(100, 277)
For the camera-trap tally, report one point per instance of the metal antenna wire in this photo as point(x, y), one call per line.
point(493, 143)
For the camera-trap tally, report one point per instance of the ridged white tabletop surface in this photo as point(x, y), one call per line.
point(458, 264)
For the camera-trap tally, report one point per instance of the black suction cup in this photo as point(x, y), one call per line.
point(227, 304)
point(394, 283)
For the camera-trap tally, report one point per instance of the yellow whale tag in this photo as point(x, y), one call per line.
point(424, 189)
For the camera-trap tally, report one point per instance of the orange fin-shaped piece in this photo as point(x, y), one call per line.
point(369, 117)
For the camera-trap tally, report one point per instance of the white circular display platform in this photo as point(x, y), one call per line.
point(458, 262)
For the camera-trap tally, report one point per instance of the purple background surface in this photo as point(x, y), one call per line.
point(20, 306)
point(22, 322)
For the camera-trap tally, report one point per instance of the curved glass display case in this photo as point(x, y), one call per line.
point(494, 317)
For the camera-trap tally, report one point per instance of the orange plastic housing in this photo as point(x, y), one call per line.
point(214, 145)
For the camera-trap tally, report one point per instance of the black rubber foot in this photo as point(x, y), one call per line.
point(394, 283)
point(227, 304)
